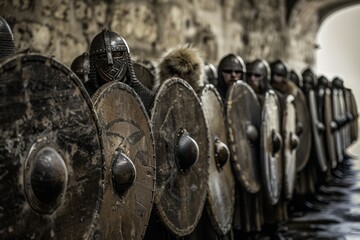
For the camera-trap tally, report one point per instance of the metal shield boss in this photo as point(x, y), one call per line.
point(243, 122)
point(221, 184)
point(336, 118)
point(144, 75)
point(330, 128)
point(129, 167)
point(271, 147)
point(291, 143)
point(50, 154)
point(182, 150)
point(303, 130)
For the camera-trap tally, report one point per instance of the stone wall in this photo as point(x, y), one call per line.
point(251, 28)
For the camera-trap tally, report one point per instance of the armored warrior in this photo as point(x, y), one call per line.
point(211, 74)
point(258, 77)
point(230, 69)
point(81, 67)
point(7, 45)
point(294, 77)
point(110, 61)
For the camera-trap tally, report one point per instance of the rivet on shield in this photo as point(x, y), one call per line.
point(45, 179)
point(186, 151)
point(123, 173)
point(320, 127)
point(276, 142)
point(251, 132)
point(221, 153)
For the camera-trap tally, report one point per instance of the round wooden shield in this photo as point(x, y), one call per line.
point(182, 150)
point(144, 75)
point(330, 128)
point(271, 147)
point(336, 115)
point(243, 121)
point(129, 165)
point(318, 132)
point(291, 143)
point(221, 195)
point(50, 154)
point(303, 130)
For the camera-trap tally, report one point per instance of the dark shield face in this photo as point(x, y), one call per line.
point(182, 150)
point(220, 198)
point(243, 122)
point(111, 71)
point(51, 160)
point(129, 176)
point(271, 147)
point(291, 144)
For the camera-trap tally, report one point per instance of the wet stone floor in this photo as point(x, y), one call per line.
point(333, 213)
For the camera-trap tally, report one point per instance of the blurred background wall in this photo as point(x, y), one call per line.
point(267, 29)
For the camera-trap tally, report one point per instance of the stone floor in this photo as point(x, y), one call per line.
point(335, 214)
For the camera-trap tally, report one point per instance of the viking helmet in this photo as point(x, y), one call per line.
point(260, 70)
point(109, 54)
point(323, 81)
point(337, 82)
point(309, 79)
point(279, 68)
point(294, 77)
point(211, 73)
point(81, 67)
point(232, 62)
point(7, 45)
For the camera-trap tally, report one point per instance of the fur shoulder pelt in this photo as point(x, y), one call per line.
point(184, 62)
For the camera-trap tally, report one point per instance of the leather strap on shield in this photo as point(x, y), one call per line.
point(318, 132)
point(221, 184)
point(182, 150)
point(291, 143)
point(51, 162)
point(271, 147)
point(243, 121)
point(129, 167)
point(303, 130)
